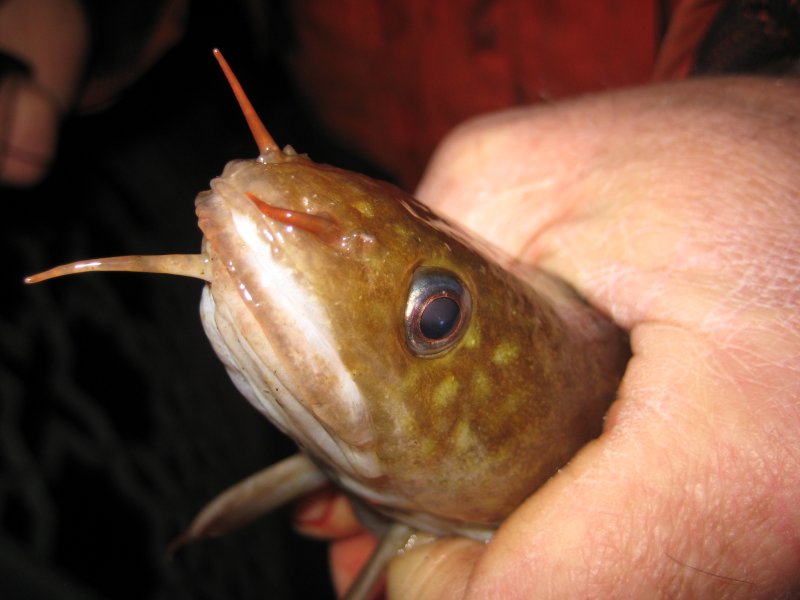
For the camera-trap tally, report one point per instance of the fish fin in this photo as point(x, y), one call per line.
point(254, 497)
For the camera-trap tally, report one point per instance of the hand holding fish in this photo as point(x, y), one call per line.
point(675, 209)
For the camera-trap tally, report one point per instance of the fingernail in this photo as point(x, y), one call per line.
point(316, 514)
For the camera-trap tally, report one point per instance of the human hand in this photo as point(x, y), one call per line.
point(43, 46)
point(44, 57)
point(674, 209)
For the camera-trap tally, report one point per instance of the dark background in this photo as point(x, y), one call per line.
point(117, 422)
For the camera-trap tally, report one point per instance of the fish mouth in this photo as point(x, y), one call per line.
point(273, 332)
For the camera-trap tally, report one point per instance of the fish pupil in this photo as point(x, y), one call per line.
point(439, 318)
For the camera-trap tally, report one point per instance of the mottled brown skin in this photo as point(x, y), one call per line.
point(466, 436)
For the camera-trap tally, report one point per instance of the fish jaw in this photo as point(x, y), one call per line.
point(273, 334)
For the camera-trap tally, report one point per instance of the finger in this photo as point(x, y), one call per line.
point(326, 514)
point(507, 176)
point(347, 557)
point(436, 571)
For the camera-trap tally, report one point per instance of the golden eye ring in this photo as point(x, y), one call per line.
point(438, 309)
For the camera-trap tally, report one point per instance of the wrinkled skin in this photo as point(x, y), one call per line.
point(675, 209)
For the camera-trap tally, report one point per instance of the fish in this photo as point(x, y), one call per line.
point(436, 381)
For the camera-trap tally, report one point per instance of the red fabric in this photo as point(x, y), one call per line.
point(392, 77)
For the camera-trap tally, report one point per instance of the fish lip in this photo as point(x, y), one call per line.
point(268, 279)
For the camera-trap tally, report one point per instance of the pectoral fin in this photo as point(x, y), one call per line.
point(254, 497)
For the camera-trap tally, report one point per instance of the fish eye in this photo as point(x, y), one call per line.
point(437, 311)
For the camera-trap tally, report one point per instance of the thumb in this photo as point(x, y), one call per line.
point(439, 570)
